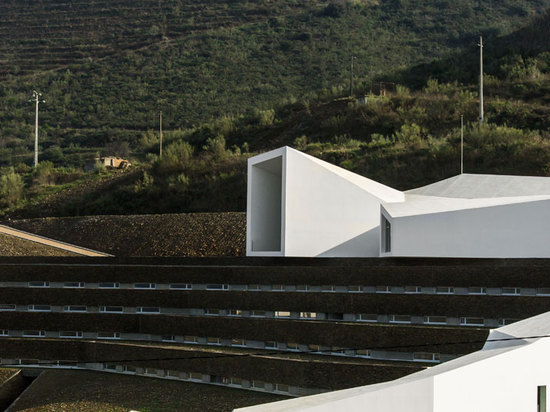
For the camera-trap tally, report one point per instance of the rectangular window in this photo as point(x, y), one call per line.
point(39, 284)
point(314, 348)
point(181, 286)
point(257, 384)
point(400, 319)
point(426, 356)
point(7, 307)
point(168, 338)
point(212, 312)
point(413, 289)
point(111, 309)
point(292, 346)
point(541, 398)
point(363, 352)
point(217, 286)
point(4, 332)
point(543, 291)
point(366, 317)
point(254, 288)
point(504, 322)
point(234, 381)
point(238, 342)
point(40, 308)
point(194, 376)
point(173, 374)
point(355, 288)
point(435, 320)
point(282, 314)
point(444, 290)
point(337, 350)
point(271, 344)
point(302, 288)
point(383, 289)
point(145, 286)
point(328, 288)
point(190, 339)
point(257, 313)
point(130, 369)
point(511, 291)
point(472, 321)
point(213, 341)
point(277, 288)
point(73, 285)
point(477, 291)
point(279, 387)
point(235, 312)
point(34, 333)
point(108, 335)
point(109, 285)
point(308, 315)
point(146, 309)
point(70, 334)
point(75, 308)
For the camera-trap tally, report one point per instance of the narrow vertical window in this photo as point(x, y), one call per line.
point(541, 398)
point(386, 235)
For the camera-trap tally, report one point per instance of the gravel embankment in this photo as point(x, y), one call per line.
point(14, 246)
point(87, 391)
point(192, 234)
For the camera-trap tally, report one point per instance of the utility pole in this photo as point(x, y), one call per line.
point(160, 134)
point(461, 144)
point(36, 98)
point(351, 76)
point(480, 80)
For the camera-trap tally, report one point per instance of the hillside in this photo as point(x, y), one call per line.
point(107, 68)
point(209, 234)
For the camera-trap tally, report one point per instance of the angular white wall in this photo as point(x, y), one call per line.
point(326, 211)
point(515, 230)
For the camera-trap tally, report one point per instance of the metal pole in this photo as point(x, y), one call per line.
point(480, 80)
point(160, 133)
point(461, 144)
point(36, 98)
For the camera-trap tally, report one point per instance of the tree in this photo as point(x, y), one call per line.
point(11, 187)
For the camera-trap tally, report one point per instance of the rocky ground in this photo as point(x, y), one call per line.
point(193, 234)
point(85, 391)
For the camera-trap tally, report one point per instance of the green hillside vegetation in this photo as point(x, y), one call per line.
point(407, 138)
point(106, 68)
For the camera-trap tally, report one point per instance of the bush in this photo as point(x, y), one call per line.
point(11, 187)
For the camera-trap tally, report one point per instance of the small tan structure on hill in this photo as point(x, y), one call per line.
point(114, 162)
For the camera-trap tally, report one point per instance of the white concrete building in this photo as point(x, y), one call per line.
point(302, 206)
point(510, 374)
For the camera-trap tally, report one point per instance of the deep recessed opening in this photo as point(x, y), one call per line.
point(266, 203)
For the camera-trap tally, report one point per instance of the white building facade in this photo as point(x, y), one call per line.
point(510, 374)
point(301, 206)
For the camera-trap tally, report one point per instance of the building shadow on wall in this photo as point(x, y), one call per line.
point(367, 244)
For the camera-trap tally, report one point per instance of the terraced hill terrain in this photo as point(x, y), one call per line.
point(200, 234)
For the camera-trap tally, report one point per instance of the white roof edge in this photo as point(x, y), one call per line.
point(262, 157)
point(379, 190)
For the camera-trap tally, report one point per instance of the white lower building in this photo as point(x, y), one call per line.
point(302, 206)
point(510, 374)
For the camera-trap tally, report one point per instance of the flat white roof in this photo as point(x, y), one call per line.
point(474, 186)
point(415, 205)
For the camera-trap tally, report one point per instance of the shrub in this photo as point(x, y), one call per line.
point(11, 187)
